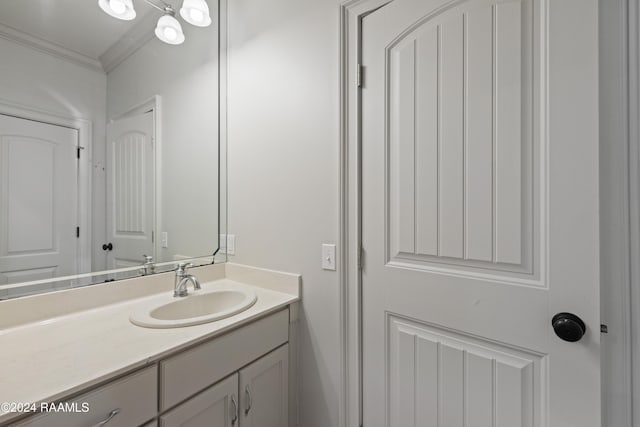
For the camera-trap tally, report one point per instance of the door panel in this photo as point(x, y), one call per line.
point(130, 190)
point(454, 378)
point(38, 201)
point(459, 186)
point(480, 219)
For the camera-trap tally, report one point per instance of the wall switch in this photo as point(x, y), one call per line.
point(165, 239)
point(329, 257)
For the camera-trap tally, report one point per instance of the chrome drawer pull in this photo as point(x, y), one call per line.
point(111, 415)
point(249, 403)
point(234, 412)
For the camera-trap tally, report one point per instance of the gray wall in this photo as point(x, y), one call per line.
point(283, 168)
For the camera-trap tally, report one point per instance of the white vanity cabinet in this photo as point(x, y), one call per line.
point(217, 406)
point(263, 390)
point(264, 397)
point(257, 380)
point(237, 379)
point(189, 372)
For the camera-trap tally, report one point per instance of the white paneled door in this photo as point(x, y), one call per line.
point(480, 214)
point(38, 200)
point(130, 190)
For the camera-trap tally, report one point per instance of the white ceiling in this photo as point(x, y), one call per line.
point(78, 25)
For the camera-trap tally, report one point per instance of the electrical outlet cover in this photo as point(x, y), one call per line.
point(231, 244)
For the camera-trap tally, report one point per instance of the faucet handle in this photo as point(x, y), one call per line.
point(183, 266)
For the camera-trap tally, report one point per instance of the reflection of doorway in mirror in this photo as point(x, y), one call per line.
point(130, 190)
point(39, 234)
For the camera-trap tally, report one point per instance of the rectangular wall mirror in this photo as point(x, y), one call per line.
point(111, 141)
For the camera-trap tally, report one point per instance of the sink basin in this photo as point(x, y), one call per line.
point(197, 308)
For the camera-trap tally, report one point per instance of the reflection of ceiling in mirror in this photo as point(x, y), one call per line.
point(77, 25)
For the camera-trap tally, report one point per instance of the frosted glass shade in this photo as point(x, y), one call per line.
point(169, 30)
point(121, 9)
point(196, 12)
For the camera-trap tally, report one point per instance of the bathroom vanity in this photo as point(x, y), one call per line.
point(94, 367)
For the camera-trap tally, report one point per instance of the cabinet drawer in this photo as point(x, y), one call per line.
point(135, 396)
point(194, 370)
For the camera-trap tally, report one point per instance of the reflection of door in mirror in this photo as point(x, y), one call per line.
point(38, 200)
point(130, 190)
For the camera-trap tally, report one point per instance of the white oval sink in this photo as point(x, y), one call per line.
point(194, 309)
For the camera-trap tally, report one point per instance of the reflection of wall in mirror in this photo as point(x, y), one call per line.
point(186, 78)
point(43, 82)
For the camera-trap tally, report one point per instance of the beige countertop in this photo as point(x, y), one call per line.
point(49, 357)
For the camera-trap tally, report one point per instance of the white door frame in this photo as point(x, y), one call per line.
point(350, 209)
point(85, 141)
point(154, 103)
point(619, 234)
point(633, 51)
point(350, 410)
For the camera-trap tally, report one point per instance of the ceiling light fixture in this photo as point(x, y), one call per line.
point(121, 9)
point(196, 12)
point(168, 30)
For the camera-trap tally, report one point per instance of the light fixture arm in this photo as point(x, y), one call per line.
point(164, 8)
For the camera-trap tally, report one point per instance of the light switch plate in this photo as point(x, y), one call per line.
point(231, 244)
point(228, 244)
point(329, 257)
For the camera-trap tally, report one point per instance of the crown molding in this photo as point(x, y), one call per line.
point(129, 43)
point(41, 45)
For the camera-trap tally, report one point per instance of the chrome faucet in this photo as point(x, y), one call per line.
point(183, 279)
point(148, 267)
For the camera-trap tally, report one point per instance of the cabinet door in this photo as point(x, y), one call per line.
point(217, 406)
point(264, 394)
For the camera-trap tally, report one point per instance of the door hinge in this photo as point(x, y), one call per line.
point(152, 237)
point(359, 75)
point(78, 152)
point(78, 232)
point(360, 259)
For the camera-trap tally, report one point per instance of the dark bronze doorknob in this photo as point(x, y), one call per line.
point(107, 247)
point(568, 327)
